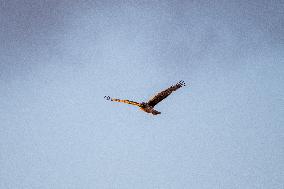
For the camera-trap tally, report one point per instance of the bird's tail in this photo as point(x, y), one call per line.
point(155, 112)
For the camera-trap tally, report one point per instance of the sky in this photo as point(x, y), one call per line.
point(58, 59)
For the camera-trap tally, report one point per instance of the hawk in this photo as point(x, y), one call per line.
point(149, 106)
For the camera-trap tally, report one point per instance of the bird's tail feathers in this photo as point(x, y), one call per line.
point(155, 112)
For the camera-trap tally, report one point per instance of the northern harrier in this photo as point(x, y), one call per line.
point(149, 106)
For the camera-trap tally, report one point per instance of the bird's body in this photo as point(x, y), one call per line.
point(149, 106)
point(149, 109)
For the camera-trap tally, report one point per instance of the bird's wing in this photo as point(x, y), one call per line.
point(123, 101)
point(164, 94)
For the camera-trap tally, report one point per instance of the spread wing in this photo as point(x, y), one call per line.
point(123, 101)
point(164, 94)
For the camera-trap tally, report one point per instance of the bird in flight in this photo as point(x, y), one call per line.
point(149, 106)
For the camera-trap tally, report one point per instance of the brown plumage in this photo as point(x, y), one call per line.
point(149, 106)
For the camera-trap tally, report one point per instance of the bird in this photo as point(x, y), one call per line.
point(148, 107)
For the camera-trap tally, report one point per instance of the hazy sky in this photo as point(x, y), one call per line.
point(58, 59)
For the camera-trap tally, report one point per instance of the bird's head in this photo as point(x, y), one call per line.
point(143, 104)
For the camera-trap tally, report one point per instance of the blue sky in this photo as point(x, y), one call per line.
point(59, 59)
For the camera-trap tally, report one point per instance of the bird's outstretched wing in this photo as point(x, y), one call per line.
point(123, 101)
point(164, 94)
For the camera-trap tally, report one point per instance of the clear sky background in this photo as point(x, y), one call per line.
point(58, 59)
